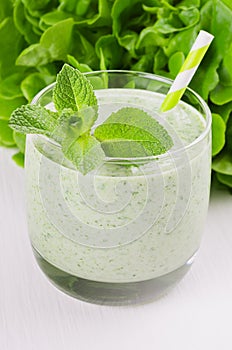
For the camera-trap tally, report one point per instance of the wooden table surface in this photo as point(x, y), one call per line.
point(196, 315)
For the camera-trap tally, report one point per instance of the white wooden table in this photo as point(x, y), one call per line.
point(196, 315)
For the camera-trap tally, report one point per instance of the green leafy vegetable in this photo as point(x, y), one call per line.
point(33, 83)
point(6, 134)
point(8, 105)
point(11, 43)
point(223, 163)
point(229, 135)
point(175, 62)
point(80, 66)
point(37, 37)
point(131, 132)
point(225, 179)
point(54, 45)
point(19, 159)
point(218, 133)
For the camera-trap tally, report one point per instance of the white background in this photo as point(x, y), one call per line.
point(196, 315)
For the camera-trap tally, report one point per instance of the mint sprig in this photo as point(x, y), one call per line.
point(129, 132)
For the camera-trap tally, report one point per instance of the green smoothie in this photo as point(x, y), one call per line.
point(128, 221)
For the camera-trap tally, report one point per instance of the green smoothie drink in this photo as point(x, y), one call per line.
point(128, 230)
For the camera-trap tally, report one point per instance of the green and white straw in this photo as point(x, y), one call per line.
point(188, 70)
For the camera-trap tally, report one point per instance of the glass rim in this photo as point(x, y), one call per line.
point(151, 76)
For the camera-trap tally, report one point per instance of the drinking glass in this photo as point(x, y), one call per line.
point(128, 231)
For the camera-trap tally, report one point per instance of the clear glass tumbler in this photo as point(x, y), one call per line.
point(129, 230)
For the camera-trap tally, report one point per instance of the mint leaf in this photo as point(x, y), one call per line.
point(33, 119)
point(84, 152)
point(73, 90)
point(131, 132)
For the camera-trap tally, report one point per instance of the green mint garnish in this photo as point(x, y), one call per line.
point(33, 119)
point(129, 132)
point(73, 90)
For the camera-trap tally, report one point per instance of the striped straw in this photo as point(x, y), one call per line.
point(187, 71)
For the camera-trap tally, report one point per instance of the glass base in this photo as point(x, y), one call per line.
point(112, 293)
